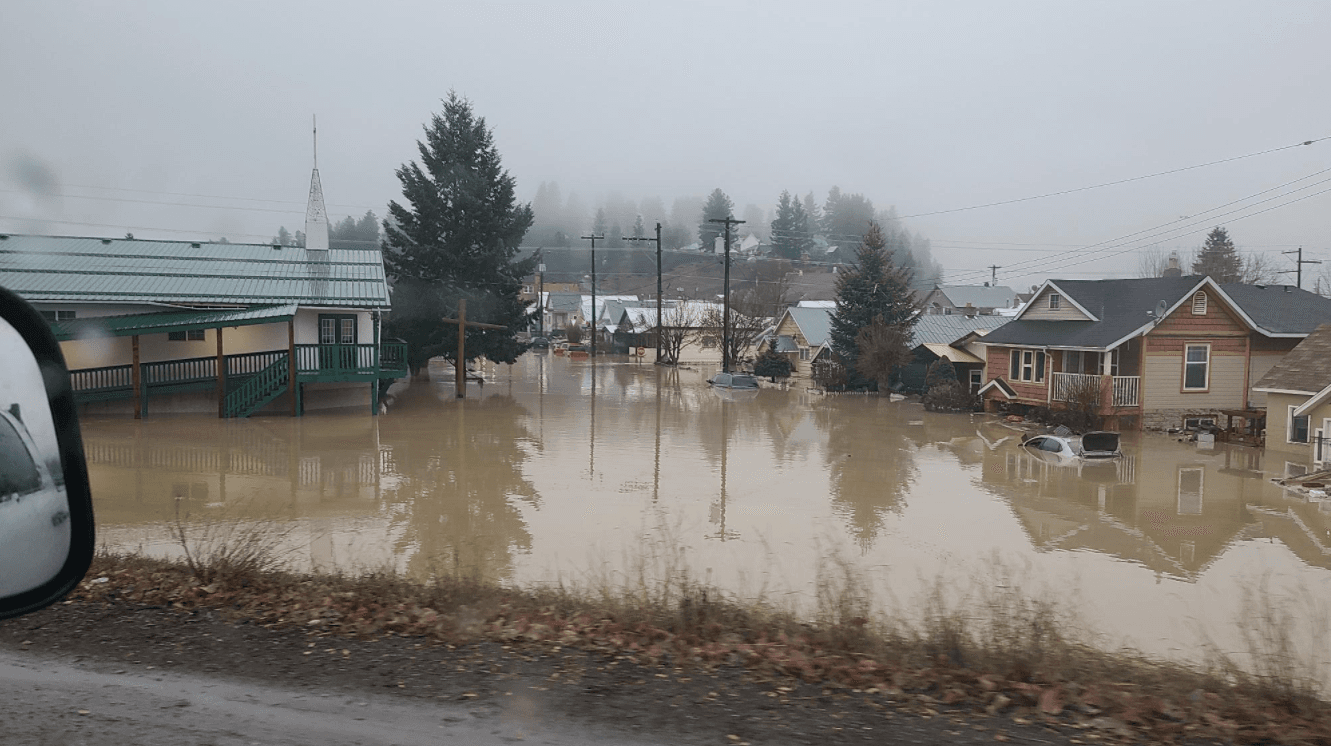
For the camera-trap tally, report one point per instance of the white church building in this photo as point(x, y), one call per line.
point(238, 329)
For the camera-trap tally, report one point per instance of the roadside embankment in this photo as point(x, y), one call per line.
point(1014, 661)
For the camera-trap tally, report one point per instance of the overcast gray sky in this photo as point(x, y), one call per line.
point(927, 106)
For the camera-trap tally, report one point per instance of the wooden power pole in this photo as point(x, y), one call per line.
point(460, 365)
point(725, 297)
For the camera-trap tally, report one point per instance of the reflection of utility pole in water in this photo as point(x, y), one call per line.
point(719, 512)
point(656, 466)
point(591, 473)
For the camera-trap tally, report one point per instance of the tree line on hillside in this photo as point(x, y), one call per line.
point(347, 233)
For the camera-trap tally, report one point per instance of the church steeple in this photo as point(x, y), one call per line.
point(316, 215)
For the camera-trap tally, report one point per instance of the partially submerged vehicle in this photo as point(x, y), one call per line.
point(1099, 444)
point(739, 381)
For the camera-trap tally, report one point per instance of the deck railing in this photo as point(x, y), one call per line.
point(1126, 390)
point(314, 362)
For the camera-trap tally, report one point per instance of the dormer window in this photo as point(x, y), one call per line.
point(1199, 303)
point(1054, 301)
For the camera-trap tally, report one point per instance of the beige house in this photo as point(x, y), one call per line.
point(1161, 352)
point(1298, 400)
point(802, 335)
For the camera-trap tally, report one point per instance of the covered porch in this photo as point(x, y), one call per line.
point(242, 383)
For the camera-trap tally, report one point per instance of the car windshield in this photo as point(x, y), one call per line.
point(745, 382)
point(18, 472)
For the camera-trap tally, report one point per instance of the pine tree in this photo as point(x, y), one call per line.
point(1218, 258)
point(718, 206)
point(457, 239)
point(871, 291)
point(790, 229)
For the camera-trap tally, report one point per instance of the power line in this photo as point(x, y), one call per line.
point(1114, 183)
point(1030, 263)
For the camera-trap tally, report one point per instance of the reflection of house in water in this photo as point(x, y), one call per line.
point(330, 465)
point(1164, 505)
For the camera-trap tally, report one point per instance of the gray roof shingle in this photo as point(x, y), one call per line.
point(948, 328)
point(979, 296)
point(1306, 368)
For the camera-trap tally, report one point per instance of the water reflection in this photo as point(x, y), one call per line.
point(555, 465)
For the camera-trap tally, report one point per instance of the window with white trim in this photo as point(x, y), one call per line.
point(1014, 368)
point(804, 353)
point(193, 335)
point(1297, 431)
point(1196, 367)
point(1027, 365)
point(58, 315)
point(1054, 301)
point(1199, 303)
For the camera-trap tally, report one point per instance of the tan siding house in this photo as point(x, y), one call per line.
point(1164, 352)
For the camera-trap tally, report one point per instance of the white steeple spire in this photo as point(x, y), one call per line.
point(316, 215)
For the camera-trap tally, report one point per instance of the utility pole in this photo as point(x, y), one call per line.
point(540, 300)
point(460, 366)
point(658, 283)
point(725, 298)
point(1298, 266)
point(994, 268)
point(593, 238)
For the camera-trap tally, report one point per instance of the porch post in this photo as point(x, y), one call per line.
point(136, 379)
point(221, 377)
point(291, 363)
point(374, 355)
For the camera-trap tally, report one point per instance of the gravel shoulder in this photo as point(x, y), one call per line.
point(122, 672)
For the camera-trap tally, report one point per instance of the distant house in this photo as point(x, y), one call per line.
point(957, 339)
point(803, 335)
point(984, 300)
point(1298, 399)
point(1163, 352)
point(563, 310)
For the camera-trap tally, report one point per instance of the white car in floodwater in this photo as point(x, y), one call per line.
point(1091, 446)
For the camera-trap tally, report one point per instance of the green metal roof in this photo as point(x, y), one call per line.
point(168, 321)
point(112, 270)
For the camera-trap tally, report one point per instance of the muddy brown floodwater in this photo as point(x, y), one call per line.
point(569, 471)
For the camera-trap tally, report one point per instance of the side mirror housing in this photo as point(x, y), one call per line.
point(46, 522)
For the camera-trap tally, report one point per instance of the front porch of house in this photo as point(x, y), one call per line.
point(240, 383)
point(1106, 384)
point(249, 381)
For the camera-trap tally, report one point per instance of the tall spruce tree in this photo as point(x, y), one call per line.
point(873, 292)
point(790, 229)
point(1218, 258)
point(718, 206)
point(457, 238)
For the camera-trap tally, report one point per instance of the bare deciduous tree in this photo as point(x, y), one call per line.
point(745, 331)
point(679, 326)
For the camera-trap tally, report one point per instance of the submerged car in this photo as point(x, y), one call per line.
point(1099, 444)
point(540, 343)
point(739, 381)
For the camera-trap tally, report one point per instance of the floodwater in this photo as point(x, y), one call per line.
point(565, 470)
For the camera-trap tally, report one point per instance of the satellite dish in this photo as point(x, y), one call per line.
point(1160, 310)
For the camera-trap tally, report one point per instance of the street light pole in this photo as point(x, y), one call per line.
point(658, 283)
point(725, 297)
point(593, 238)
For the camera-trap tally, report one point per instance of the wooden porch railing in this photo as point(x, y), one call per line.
point(1126, 390)
point(314, 363)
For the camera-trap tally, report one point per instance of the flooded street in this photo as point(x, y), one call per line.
point(560, 470)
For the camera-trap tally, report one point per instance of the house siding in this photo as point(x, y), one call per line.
point(1258, 365)
point(1277, 426)
point(1039, 309)
point(997, 362)
point(788, 328)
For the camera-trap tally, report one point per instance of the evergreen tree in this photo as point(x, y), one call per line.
point(718, 206)
point(600, 226)
point(1218, 258)
point(457, 239)
point(639, 230)
point(615, 238)
point(873, 290)
point(790, 229)
point(812, 214)
point(846, 218)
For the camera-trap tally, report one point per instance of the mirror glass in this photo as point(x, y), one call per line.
point(34, 507)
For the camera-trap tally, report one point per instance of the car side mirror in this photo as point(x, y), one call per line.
point(46, 524)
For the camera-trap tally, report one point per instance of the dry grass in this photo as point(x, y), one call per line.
point(989, 646)
point(217, 548)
